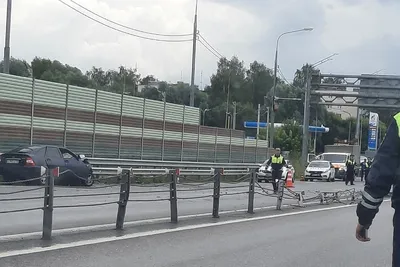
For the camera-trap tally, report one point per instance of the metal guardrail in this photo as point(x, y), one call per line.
point(108, 166)
point(132, 163)
point(175, 181)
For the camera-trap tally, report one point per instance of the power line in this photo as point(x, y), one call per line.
point(126, 27)
point(283, 76)
point(121, 31)
point(212, 52)
point(215, 50)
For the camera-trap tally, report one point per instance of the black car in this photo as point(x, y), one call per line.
point(26, 162)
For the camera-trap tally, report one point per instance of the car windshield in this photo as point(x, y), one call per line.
point(319, 164)
point(335, 158)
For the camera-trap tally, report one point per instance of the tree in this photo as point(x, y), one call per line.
point(55, 71)
point(18, 67)
point(288, 137)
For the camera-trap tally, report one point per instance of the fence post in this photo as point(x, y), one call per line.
point(216, 145)
point(143, 120)
point(94, 122)
point(66, 116)
point(301, 199)
point(163, 128)
point(183, 132)
point(250, 208)
point(123, 198)
point(121, 113)
point(217, 191)
point(172, 196)
point(230, 146)
point(198, 142)
point(281, 187)
point(244, 147)
point(32, 109)
point(48, 205)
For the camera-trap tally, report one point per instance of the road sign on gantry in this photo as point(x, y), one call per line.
point(382, 90)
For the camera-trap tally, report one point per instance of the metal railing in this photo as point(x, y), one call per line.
point(173, 182)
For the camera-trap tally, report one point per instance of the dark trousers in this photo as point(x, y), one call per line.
point(366, 174)
point(362, 173)
point(350, 177)
point(396, 239)
point(276, 175)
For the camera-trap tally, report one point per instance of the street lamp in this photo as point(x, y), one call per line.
point(204, 114)
point(274, 87)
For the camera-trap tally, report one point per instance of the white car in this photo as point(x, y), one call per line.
point(265, 174)
point(320, 170)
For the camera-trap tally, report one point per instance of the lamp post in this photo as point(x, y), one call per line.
point(307, 96)
point(204, 114)
point(275, 78)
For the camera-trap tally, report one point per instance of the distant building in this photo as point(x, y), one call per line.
point(154, 84)
point(344, 112)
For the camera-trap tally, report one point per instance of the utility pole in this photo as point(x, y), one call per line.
point(6, 62)
point(234, 116)
point(258, 120)
point(306, 119)
point(193, 57)
point(227, 102)
point(272, 110)
point(316, 124)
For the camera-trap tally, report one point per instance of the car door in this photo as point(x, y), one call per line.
point(74, 165)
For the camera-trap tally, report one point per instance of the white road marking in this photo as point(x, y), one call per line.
point(157, 232)
point(108, 226)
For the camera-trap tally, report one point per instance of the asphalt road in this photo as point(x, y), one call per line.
point(305, 238)
point(69, 217)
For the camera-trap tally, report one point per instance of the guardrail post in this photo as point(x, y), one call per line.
point(250, 208)
point(172, 195)
point(48, 206)
point(301, 199)
point(123, 198)
point(217, 191)
point(322, 198)
point(281, 187)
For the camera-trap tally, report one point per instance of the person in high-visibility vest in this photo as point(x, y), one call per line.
point(350, 166)
point(276, 162)
point(365, 169)
point(382, 176)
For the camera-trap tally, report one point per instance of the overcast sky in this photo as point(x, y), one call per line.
point(363, 32)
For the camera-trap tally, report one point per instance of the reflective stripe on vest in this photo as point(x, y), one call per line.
point(397, 119)
point(277, 160)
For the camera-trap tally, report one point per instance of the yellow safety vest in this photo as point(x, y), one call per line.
point(351, 162)
point(397, 119)
point(366, 165)
point(277, 160)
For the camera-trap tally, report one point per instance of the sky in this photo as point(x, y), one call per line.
point(362, 32)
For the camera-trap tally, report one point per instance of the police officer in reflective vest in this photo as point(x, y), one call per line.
point(382, 175)
point(364, 169)
point(276, 162)
point(369, 163)
point(350, 164)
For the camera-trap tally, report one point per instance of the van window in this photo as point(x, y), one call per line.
point(335, 158)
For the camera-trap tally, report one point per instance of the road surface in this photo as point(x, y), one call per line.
point(68, 217)
point(305, 238)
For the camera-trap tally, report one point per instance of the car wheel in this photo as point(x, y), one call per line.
point(89, 180)
point(312, 180)
point(305, 179)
